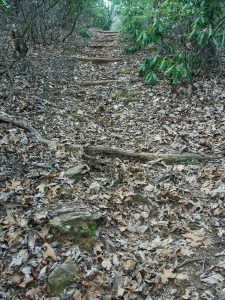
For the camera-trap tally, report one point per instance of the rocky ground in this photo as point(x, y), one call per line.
point(83, 225)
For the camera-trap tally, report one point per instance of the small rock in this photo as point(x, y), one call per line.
point(63, 276)
point(77, 170)
point(81, 226)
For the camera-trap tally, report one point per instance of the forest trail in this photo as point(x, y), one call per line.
point(158, 227)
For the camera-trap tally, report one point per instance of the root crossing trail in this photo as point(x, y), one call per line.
point(148, 229)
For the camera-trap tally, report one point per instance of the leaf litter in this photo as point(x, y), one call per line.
point(162, 235)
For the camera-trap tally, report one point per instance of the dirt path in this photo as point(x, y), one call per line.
point(162, 230)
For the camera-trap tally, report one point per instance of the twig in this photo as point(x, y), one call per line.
point(203, 265)
point(188, 261)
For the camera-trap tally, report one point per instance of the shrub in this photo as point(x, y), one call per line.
point(186, 35)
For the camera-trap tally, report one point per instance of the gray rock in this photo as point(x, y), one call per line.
point(79, 225)
point(75, 218)
point(72, 173)
point(63, 276)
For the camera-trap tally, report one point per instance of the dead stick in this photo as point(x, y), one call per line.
point(188, 261)
point(100, 82)
point(99, 59)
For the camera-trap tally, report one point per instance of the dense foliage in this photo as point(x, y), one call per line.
point(185, 35)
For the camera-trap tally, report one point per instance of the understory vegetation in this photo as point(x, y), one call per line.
point(185, 36)
point(26, 23)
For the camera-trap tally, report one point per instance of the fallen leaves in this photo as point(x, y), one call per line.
point(196, 237)
point(213, 279)
point(49, 252)
point(167, 274)
point(19, 258)
point(26, 282)
point(129, 265)
point(107, 264)
point(221, 264)
point(155, 216)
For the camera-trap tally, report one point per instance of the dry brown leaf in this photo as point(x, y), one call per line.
point(26, 282)
point(22, 222)
point(54, 189)
point(77, 295)
point(196, 236)
point(51, 175)
point(167, 274)
point(98, 248)
point(120, 292)
point(207, 187)
point(14, 184)
point(174, 196)
point(15, 279)
point(44, 231)
point(107, 264)
point(182, 276)
point(33, 293)
point(41, 187)
point(49, 252)
point(221, 264)
point(129, 264)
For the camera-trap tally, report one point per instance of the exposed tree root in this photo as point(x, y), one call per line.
point(10, 119)
point(107, 32)
point(100, 82)
point(167, 158)
point(99, 60)
point(98, 46)
point(106, 40)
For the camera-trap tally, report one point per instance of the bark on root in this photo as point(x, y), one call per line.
point(107, 32)
point(106, 40)
point(102, 46)
point(167, 158)
point(99, 60)
point(99, 82)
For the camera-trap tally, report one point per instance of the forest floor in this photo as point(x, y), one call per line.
point(162, 229)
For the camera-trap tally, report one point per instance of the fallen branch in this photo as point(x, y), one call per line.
point(100, 59)
point(21, 124)
point(107, 32)
point(103, 46)
point(99, 82)
point(105, 40)
point(167, 158)
point(189, 261)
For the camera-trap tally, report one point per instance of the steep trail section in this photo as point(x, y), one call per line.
point(162, 234)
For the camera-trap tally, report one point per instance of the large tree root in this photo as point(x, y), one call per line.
point(100, 82)
point(10, 119)
point(107, 32)
point(109, 40)
point(99, 60)
point(98, 46)
point(167, 158)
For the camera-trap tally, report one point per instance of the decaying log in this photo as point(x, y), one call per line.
point(167, 158)
point(99, 60)
point(99, 82)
